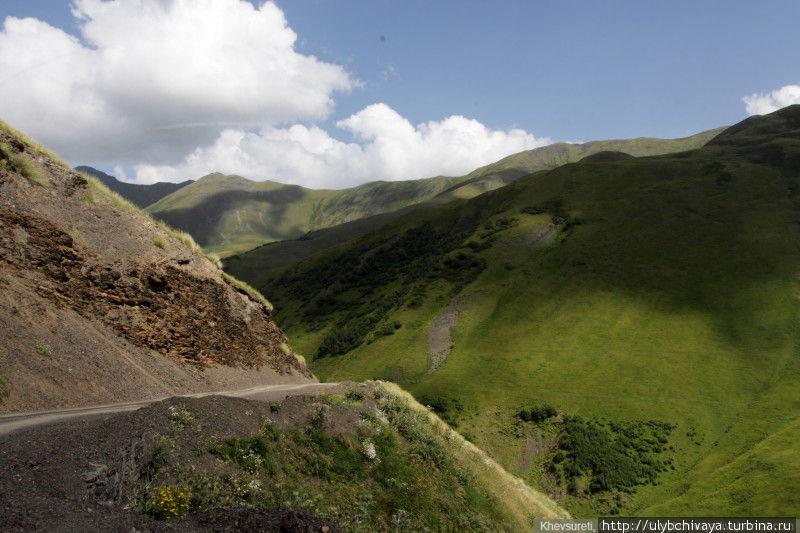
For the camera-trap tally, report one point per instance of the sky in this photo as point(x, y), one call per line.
point(329, 94)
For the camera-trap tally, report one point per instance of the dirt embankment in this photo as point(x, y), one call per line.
point(88, 475)
point(98, 303)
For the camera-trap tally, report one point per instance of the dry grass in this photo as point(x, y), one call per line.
point(253, 293)
point(522, 502)
point(30, 143)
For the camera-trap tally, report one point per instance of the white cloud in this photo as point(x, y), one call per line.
point(153, 79)
point(150, 81)
point(763, 103)
point(390, 148)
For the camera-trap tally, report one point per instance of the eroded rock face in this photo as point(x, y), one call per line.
point(79, 265)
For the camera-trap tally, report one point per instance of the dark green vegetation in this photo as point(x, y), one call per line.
point(537, 413)
point(650, 288)
point(139, 195)
point(260, 260)
point(595, 457)
point(368, 459)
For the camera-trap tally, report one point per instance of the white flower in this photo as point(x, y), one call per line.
point(369, 449)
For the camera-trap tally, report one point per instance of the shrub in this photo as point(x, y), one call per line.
point(617, 455)
point(448, 409)
point(181, 416)
point(249, 454)
point(354, 395)
point(159, 242)
point(166, 503)
point(538, 413)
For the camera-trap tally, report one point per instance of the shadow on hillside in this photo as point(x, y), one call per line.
point(203, 220)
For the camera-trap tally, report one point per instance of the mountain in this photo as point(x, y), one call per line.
point(621, 332)
point(102, 304)
point(261, 260)
point(551, 156)
point(99, 303)
point(230, 214)
point(139, 195)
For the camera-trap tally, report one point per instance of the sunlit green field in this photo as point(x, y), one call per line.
point(669, 292)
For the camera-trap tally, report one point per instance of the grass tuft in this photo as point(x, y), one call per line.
point(42, 349)
point(5, 387)
point(250, 291)
point(30, 143)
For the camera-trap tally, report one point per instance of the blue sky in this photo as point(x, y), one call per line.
point(564, 70)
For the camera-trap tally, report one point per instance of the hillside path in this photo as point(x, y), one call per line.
point(439, 339)
point(10, 423)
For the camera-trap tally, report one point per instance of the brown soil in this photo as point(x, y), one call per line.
point(98, 303)
point(85, 475)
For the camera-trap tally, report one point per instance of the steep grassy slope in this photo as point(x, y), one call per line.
point(139, 195)
point(629, 290)
point(259, 261)
point(230, 214)
point(99, 303)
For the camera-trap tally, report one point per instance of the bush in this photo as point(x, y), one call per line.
point(250, 454)
point(166, 503)
point(616, 455)
point(538, 413)
point(448, 409)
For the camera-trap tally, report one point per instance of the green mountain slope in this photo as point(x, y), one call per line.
point(139, 195)
point(229, 214)
point(280, 254)
point(652, 302)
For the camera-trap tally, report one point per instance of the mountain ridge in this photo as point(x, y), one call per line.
point(139, 195)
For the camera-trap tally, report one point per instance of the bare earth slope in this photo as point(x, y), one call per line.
point(98, 303)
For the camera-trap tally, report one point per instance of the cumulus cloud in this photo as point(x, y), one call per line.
point(175, 89)
point(390, 148)
point(763, 103)
point(151, 79)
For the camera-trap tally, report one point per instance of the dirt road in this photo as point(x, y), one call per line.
point(13, 422)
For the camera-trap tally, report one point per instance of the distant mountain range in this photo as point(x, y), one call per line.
point(282, 253)
point(231, 214)
point(139, 195)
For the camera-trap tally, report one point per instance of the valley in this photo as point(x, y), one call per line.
point(589, 303)
point(322, 267)
point(126, 355)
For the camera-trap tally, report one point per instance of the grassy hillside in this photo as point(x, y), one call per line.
point(651, 303)
point(230, 214)
point(258, 261)
point(139, 195)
